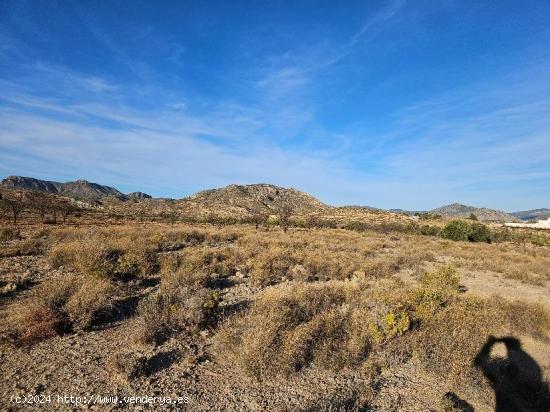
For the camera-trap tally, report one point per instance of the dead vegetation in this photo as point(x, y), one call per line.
point(58, 307)
point(334, 324)
point(276, 304)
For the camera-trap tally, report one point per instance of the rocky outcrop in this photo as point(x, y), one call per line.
point(139, 196)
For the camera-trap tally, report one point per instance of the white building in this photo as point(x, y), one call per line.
point(541, 224)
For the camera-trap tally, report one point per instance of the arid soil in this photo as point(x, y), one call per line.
point(101, 359)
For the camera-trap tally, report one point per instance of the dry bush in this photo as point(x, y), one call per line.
point(334, 324)
point(26, 247)
point(436, 290)
point(272, 265)
point(450, 340)
point(223, 261)
point(322, 255)
point(92, 298)
point(9, 233)
point(528, 263)
point(57, 307)
point(128, 364)
point(106, 257)
point(180, 304)
point(288, 329)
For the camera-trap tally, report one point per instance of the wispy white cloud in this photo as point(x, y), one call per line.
point(483, 143)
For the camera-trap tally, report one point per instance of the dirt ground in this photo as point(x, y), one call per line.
point(80, 363)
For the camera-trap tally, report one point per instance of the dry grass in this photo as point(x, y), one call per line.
point(9, 233)
point(183, 303)
point(57, 307)
point(329, 298)
point(335, 324)
point(448, 343)
point(106, 257)
point(289, 328)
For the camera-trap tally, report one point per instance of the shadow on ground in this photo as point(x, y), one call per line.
point(516, 379)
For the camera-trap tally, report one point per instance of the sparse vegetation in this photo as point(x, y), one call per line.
point(305, 302)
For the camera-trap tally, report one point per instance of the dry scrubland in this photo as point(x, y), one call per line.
point(264, 319)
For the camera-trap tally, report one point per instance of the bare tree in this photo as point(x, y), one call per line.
point(39, 203)
point(14, 203)
point(67, 208)
point(259, 217)
point(284, 212)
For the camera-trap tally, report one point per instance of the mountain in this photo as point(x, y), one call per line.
point(407, 212)
point(247, 198)
point(482, 213)
point(30, 183)
point(80, 189)
point(139, 196)
point(535, 214)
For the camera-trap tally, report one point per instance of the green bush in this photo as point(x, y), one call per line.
point(459, 230)
point(479, 233)
point(456, 230)
point(428, 230)
point(436, 289)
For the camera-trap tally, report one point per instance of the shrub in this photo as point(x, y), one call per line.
point(394, 323)
point(272, 264)
point(436, 290)
point(428, 230)
point(479, 233)
point(9, 233)
point(288, 329)
point(92, 299)
point(57, 307)
point(449, 341)
point(459, 230)
point(106, 258)
point(456, 230)
point(175, 309)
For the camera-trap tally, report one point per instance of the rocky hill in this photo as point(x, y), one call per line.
point(80, 189)
point(248, 198)
point(535, 214)
point(482, 213)
point(139, 196)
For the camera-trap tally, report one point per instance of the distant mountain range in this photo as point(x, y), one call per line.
point(535, 214)
point(79, 189)
point(254, 197)
point(482, 213)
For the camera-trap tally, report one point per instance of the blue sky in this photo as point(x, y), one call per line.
point(409, 104)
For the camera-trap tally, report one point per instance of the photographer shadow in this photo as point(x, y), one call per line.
point(516, 378)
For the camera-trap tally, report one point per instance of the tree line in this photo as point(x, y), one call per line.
point(13, 203)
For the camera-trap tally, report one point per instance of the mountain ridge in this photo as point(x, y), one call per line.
point(259, 197)
point(250, 198)
point(533, 214)
point(79, 189)
point(482, 213)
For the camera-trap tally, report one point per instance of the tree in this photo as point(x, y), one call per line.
point(259, 217)
point(284, 211)
point(39, 203)
point(472, 217)
point(67, 208)
point(13, 202)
